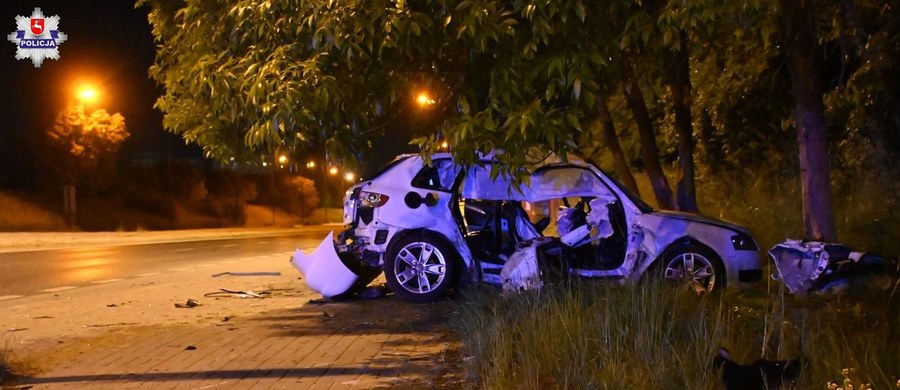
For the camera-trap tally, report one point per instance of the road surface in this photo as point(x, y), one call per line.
point(47, 271)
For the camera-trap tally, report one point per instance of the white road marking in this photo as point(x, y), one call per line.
point(262, 242)
point(147, 274)
point(58, 289)
point(229, 245)
point(105, 281)
point(179, 269)
point(8, 297)
point(184, 250)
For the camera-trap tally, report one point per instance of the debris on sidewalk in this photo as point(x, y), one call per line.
point(224, 293)
point(16, 329)
point(375, 292)
point(190, 303)
point(190, 348)
point(216, 275)
point(109, 325)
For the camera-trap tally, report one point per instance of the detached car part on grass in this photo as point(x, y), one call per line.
point(430, 227)
point(814, 266)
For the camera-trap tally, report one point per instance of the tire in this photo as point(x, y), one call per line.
point(694, 267)
point(421, 267)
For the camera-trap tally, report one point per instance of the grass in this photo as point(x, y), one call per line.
point(12, 367)
point(602, 336)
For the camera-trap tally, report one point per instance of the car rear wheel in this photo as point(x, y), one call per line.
point(421, 267)
point(694, 267)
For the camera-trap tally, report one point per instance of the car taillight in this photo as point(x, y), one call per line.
point(372, 199)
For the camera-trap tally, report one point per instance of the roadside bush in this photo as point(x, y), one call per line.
point(595, 335)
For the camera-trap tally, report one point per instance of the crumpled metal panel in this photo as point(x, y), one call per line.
point(323, 270)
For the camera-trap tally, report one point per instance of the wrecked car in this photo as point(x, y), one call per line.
point(431, 227)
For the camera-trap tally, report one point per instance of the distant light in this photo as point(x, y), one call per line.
point(333, 170)
point(282, 159)
point(87, 93)
point(349, 176)
point(424, 99)
point(265, 164)
point(311, 164)
point(445, 145)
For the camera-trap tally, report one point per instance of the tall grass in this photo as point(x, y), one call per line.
point(649, 336)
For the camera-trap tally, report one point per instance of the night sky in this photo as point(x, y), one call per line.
point(109, 45)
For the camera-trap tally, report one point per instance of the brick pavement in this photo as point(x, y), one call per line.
point(281, 342)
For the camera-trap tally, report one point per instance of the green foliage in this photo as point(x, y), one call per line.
point(81, 148)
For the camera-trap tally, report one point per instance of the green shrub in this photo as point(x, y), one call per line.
point(604, 336)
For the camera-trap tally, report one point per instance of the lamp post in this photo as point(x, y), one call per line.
point(85, 94)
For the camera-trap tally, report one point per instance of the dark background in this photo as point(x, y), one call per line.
point(110, 46)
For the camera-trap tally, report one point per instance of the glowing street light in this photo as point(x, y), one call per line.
point(87, 94)
point(423, 99)
point(349, 176)
point(310, 164)
point(333, 171)
point(282, 159)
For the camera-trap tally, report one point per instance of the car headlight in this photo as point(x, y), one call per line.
point(372, 199)
point(744, 242)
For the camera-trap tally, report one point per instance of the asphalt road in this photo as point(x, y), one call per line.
point(47, 271)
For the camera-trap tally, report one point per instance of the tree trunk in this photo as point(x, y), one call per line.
point(612, 142)
point(679, 84)
point(805, 64)
point(649, 152)
point(712, 147)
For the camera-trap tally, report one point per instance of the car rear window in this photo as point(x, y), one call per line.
point(437, 176)
point(372, 175)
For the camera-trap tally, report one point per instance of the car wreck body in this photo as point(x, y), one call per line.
point(430, 227)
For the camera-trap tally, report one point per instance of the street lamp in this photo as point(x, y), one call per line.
point(87, 94)
point(332, 171)
point(349, 177)
point(424, 99)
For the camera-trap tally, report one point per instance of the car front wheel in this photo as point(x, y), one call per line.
point(694, 267)
point(420, 267)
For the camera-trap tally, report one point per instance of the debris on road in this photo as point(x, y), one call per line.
point(190, 348)
point(216, 275)
point(190, 303)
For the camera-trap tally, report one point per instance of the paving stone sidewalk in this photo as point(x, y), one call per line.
point(284, 341)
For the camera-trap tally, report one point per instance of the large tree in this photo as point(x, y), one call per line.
point(81, 147)
point(252, 77)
